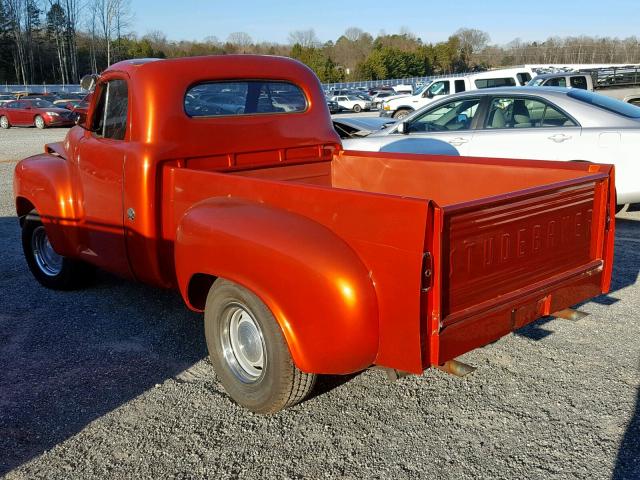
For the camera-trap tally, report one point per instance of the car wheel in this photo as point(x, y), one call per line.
point(48, 267)
point(39, 122)
point(249, 353)
point(401, 114)
point(357, 108)
point(4, 122)
point(635, 101)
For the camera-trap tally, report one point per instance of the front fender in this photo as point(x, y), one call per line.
point(316, 286)
point(44, 181)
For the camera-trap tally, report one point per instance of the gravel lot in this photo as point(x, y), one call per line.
point(113, 382)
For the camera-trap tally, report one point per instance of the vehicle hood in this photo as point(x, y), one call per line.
point(368, 124)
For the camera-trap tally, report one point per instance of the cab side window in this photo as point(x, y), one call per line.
point(578, 82)
point(110, 116)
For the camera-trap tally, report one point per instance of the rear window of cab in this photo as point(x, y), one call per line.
point(243, 97)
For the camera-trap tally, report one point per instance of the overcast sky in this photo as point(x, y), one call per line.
point(431, 20)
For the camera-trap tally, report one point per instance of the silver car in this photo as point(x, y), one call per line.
point(523, 123)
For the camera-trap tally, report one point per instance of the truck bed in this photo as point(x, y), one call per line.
point(506, 241)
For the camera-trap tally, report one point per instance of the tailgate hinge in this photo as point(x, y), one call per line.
point(427, 271)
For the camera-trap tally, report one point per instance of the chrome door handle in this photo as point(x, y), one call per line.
point(559, 137)
point(458, 141)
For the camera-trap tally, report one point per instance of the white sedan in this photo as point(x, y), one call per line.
point(523, 123)
point(352, 102)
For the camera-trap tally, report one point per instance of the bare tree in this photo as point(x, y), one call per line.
point(15, 15)
point(472, 41)
point(304, 38)
point(242, 40)
point(112, 17)
point(353, 34)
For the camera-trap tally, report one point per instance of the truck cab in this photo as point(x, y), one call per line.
point(400, 106)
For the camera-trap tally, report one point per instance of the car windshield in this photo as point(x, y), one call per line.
point(41, 104)
point(422, 89)
point(353, 98)
point(606, 103)
point(536, 82)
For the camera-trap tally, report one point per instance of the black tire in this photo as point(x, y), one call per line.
point(4, 122)
point(278, 383)
point(68, 274)
point(401, 113)
point(39, 122)
point(357, 108)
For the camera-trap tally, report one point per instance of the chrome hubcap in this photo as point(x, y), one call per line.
point(243, 344)
point(39, 122)
point(48, 261)
point(4, 122)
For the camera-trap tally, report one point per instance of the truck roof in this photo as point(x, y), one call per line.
point(157, 103)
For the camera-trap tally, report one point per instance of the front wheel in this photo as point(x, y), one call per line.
point(401, 114)
point(39, 122)
point(357, 108)
point(4, 122)
point(249, 353)
point(48, 267)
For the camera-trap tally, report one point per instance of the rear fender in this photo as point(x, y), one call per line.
point(316, 286)
point(44, 182)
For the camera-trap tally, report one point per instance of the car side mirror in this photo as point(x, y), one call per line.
point(429, 94)
point(402, 128)
point(81, 119)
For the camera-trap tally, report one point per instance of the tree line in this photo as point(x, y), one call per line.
point(58, 41)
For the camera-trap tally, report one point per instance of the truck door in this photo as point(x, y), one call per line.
point(100, 159)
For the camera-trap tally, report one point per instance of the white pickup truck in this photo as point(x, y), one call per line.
point(402, 105)
point(622, 83)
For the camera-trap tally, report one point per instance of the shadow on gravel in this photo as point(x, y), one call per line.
point(626, 268)
point(628, 461)
point(67, 358)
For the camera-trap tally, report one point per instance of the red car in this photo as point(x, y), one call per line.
point(40, 113)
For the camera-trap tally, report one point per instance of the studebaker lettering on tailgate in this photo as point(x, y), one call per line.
point(305, 259)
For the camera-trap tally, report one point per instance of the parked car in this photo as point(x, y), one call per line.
point(524, 122)
point(352, 102)
point(380, 97)
point(350, 127)
point(622, 83)
point(334, 107)
point(306, 259)
point(401, 106)
point(38, 113)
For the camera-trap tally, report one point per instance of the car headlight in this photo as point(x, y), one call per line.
point(53, 114)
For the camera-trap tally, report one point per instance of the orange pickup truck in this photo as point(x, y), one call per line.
point(223, 177)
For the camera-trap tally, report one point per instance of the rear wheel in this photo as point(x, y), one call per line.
point(249, 352)
point(357, 108)
point(4, 122)
point(39, 122)
point(48, 267)
point(401, 113)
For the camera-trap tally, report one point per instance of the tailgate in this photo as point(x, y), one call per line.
point(507, 261)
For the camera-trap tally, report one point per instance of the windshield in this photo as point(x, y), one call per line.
point(420, 90)
point(41, 104)
point(606, 103)
point(536, 82)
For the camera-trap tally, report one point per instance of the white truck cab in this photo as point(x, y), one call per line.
point(401, 106)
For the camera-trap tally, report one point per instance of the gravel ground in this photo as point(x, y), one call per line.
point(20, 142)
point(113, 382)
